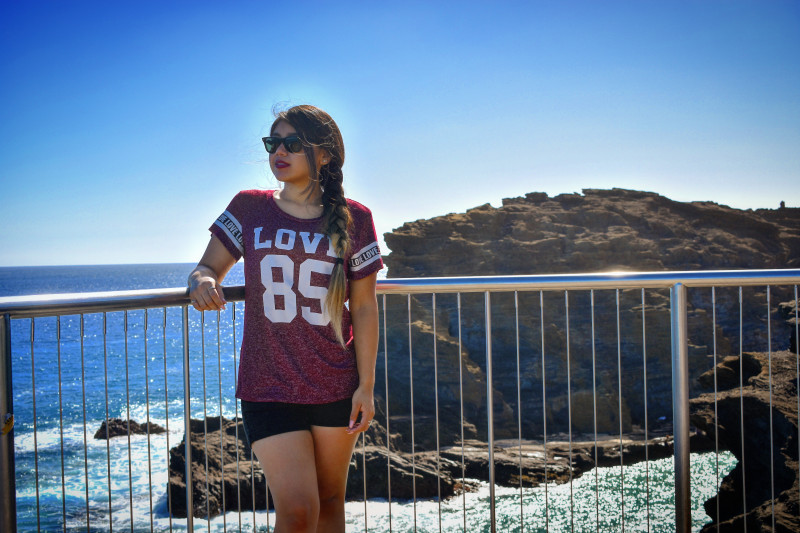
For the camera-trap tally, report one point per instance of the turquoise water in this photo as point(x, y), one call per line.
point(143, 378)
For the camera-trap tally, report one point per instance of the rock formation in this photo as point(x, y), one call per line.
point(600, 230)
point(224, 473)
point(118, 427)
point(743, 404)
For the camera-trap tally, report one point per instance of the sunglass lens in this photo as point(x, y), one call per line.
point(271, 144)
point(293, 144)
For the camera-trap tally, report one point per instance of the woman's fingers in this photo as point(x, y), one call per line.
point(363, 424)
point(207, 297)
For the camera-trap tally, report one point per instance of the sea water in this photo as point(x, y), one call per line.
point(135, 371)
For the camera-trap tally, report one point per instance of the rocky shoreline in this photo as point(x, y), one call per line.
point(231, 479)
point(423, 474)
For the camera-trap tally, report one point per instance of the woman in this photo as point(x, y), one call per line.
point(307, 367)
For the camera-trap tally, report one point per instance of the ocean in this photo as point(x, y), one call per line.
point(76, 373)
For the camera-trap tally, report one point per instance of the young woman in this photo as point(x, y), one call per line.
point(307, 366)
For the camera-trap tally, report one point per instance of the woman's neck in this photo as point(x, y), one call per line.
point(299, 203)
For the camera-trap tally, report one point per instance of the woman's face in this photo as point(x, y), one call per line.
point(291, 167)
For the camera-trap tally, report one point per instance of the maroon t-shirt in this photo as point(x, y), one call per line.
point(289, 349)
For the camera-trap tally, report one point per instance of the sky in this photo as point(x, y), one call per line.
point(127, 127)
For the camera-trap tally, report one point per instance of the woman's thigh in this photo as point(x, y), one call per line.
point(333, 447)
point(288, 463)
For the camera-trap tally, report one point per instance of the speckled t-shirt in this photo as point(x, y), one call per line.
point(289, 349)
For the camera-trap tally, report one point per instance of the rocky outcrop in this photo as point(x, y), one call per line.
point(225, 476)
point(118, 427)
point(604, 349)
point(756, 417)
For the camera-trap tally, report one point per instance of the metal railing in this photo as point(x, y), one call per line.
point(492, 288)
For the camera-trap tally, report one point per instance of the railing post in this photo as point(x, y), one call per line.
point(187, 421)
point(8, 495)
point(680, 407)
point(490, 410)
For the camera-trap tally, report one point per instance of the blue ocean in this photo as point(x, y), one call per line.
point(81, 377)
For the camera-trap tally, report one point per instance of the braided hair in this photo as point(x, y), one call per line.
point(317, 130)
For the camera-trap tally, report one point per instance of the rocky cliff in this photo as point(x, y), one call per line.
point(605, 347)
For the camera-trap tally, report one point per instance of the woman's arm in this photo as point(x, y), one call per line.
point(364, 316)
point(204, 289)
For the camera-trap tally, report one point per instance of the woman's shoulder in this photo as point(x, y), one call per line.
point(255, 194)
point(357, 207)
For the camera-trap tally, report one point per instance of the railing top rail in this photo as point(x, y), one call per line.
point(94, 302)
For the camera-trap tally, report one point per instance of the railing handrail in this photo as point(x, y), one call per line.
point(94, 302)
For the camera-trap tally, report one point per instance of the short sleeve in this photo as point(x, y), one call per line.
point(366, 257)
point(228, 227)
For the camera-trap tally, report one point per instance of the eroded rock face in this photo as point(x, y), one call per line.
point(605, 348)
point(746, 494)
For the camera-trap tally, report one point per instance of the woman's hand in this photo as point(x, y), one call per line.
point(204, 292)
point(204, 289)
point(363, 402)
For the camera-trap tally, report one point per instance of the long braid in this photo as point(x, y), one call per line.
point(336, 223)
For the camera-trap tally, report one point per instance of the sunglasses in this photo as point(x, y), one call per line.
point(292, 143)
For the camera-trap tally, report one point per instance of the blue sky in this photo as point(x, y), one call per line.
point(126, 127)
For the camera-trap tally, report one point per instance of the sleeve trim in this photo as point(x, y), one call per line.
point(365, 257)
point(232, 229)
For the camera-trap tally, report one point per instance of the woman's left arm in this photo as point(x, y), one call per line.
point(364, 317)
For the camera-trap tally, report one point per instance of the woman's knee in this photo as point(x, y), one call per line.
point(331, 499)
point(299, 514)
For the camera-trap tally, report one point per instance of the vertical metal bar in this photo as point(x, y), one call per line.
point(8, 500)
point(594, 419)
point(388, 433)
point(619, 400)
point(771, 444)
point(436, 414)
point(61, 426)
point(411, 385)
point(108, 438)
point(187, 421)
point(205, 414)
point(646, 437)
point(166, 408)
point(680, 406)
point(221, 431)
point(741, 405)
point(490, 411)
point(461, 402)
point(544, 416)
point(253, 490)
point(519, 410)
point(85, 440)
point(35, 426)
point(716, 412)
point(147, 410)
point(236, 418)
point(128, 411)
point(364, 475)
point(569, 416)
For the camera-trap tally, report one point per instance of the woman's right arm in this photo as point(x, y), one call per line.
point(204, 288)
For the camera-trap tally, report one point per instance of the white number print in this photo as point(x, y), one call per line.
point(273, 289)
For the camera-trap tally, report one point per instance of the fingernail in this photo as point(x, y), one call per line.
point(351, 424)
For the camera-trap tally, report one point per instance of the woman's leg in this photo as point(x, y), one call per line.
point(288, 462)
point(333, 448)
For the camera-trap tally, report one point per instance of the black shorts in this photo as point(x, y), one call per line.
point(265, 419)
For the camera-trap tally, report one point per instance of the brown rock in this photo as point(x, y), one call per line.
point(781, 411)
point(118, 428)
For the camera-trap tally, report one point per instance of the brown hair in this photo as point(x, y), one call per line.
point(318, 131)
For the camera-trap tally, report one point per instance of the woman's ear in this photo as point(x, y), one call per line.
point(323, 158)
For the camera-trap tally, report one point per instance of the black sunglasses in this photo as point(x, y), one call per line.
point(292, 143)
